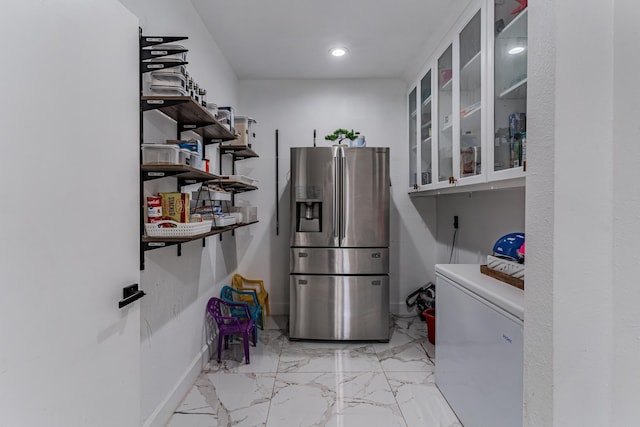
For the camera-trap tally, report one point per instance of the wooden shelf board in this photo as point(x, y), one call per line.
point(187, 112)
point(238, 187)
point(178, 171)
point(238, 151)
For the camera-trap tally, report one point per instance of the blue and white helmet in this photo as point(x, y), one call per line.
point(507, 246)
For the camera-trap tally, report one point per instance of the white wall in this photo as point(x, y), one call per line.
point(483, 217)
point(626, 226)
point(581, 328)
point(173, 314)
point(69, 167)
point(377, 109)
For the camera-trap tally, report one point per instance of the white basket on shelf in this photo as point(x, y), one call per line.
point(167, 228)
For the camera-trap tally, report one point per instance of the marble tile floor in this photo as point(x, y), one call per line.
point(298, 383)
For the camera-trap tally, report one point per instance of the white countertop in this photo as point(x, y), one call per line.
point(505, 296)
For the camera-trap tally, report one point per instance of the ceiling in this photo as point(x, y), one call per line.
point(290, 39)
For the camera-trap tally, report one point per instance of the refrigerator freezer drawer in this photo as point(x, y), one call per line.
point(339, 307)
point(339, 261)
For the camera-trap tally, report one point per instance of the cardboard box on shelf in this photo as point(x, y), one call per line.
point(175, 206)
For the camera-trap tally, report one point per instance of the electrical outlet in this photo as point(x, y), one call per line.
point(455, 222)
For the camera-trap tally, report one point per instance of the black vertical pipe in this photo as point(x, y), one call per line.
point(277, 191)
point(178, 182)
point(141, 187)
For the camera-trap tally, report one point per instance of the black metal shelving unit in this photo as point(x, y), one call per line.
point(237, 152)
point(188, 116)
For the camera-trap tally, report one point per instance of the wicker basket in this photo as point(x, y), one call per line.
point(167, 228)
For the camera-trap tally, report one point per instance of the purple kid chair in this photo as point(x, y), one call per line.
point(227, 325)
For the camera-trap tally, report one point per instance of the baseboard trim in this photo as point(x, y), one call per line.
point(279, 309)
point(401, 309)
point(161, 415)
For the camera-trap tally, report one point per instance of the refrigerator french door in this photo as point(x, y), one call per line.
point(339, 283)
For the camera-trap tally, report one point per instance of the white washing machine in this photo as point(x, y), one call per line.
point(479, 346)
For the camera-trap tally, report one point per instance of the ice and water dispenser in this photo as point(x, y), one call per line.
point(308, 209)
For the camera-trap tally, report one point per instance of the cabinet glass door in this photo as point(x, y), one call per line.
point(425, 130)
point(445, 116)
point(413, 142)
point(470, 78)
point(510, 88)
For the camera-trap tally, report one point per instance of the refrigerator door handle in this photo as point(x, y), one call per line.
point(336, 188)
point(343, 194)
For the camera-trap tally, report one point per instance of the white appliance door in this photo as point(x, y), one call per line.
point(478, 358)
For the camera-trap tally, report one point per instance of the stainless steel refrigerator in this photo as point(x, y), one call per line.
point(339, 282)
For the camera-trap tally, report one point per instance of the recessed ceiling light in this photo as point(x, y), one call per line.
point(338, 51)
point(516, 50)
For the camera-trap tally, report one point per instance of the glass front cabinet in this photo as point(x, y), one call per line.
point(421, 167)
point(426, 177)
point(509, 91)
point(445, 117)
point(413, 142)
point(467, 109)
point(470, 102)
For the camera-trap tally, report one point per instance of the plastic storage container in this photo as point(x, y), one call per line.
point(224, 221)
point(243, 127)
point(230, 113)
point(159, 90)
point(245, 214)
point(185, 157)
point(195, 148)
point(213, 108)
point(169, 80)
point(160, 154)
point(223, 116)
point(164, 51)
point(196, 160)
point(430, 315)
point(155, 64)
